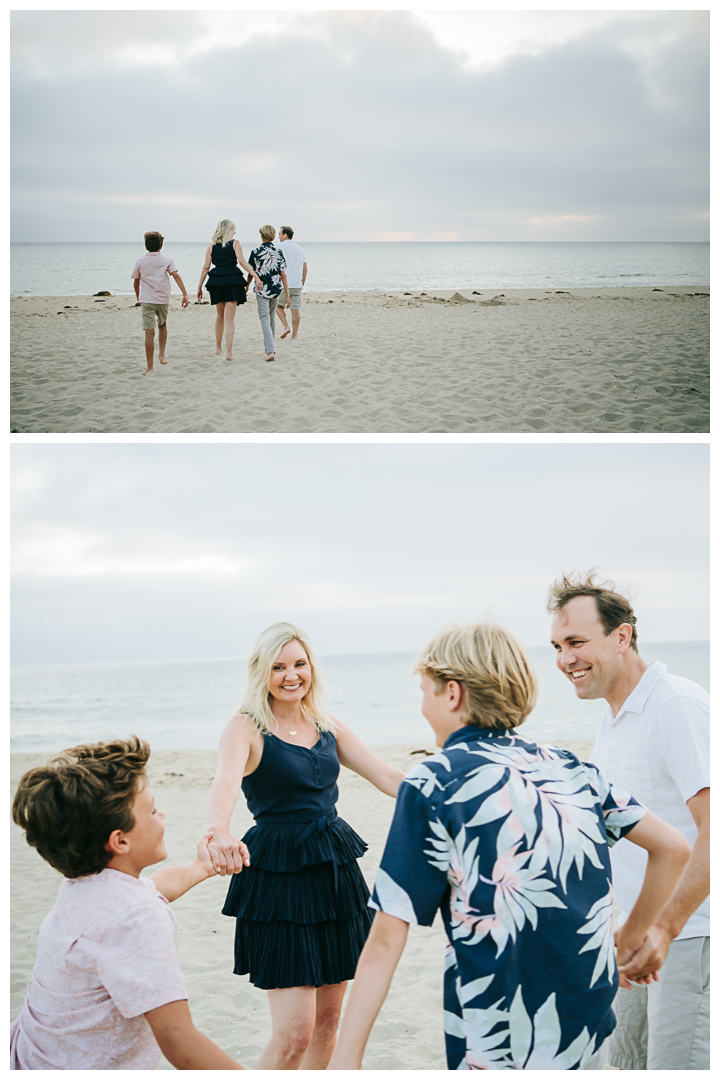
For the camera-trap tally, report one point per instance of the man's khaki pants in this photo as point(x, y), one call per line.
point(667, 1025)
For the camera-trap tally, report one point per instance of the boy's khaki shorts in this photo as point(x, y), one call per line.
point(149, 311)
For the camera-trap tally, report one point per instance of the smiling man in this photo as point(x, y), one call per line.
point(653, 740)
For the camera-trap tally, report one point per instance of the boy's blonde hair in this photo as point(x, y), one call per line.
point(256, 700)
point(69, 807)
point(500, 686)
point(267, 232)
point(224, 231)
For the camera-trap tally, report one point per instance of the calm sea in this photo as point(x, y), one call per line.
point(84, 269)
point(184, 704)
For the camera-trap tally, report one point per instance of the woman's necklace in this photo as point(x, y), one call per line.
point(286, 729)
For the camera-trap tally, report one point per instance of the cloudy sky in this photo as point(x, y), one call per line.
point(361, 125)
point(181, 551)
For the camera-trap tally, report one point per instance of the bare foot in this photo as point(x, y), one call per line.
point(218, 350)
point(294, 337)
point(270, 356)
point(229, 356)
point(147, 371)
point(162, 360)
point(285, 334)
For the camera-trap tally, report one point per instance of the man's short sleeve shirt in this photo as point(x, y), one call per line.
point(657, 748)
point(511, 842)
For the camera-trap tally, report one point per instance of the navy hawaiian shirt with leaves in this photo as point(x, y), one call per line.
point(510, 840)
point(267, 261)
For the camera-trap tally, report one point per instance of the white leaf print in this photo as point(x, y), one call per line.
point(393, 899)
point(473, 989)
point(599, 925)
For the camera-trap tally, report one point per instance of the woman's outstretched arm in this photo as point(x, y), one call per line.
point(226, 851)
point(355, 755)
point(245, 266)
point(375, 970)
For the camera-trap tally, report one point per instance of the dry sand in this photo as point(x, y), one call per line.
point(512, 360)
point(408, 1033)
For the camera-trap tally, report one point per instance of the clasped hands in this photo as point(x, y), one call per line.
point(640, 963)
point(222, 854)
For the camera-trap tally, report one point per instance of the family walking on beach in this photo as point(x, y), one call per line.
point(275, 268)
point(520, 846)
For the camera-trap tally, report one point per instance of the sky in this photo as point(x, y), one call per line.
point(177, 551)
point(361, 124)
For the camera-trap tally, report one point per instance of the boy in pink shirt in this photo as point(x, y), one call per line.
point(152, 287)
point(106, 991)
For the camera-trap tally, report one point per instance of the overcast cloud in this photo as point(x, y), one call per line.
point(361, 125)
point(174, 552)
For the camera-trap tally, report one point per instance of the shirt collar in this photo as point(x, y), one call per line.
point(470, 733)
point(636, 701)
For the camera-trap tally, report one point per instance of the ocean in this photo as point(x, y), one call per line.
point(80, 269)
point(184, 704)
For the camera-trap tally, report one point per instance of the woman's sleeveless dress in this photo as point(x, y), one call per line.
point(225, 281)
point(301, 905)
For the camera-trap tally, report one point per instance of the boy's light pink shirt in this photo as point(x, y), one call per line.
point(107, 954)
point(154, 270)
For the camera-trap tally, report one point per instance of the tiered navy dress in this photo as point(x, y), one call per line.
point(301, 905)
point(225, 281)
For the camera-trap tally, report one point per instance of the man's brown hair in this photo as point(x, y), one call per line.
point(154, 241)
point(69, 807)
point(288, 231)
point(613, 608)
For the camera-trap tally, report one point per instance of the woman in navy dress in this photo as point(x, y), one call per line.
point(301, 904)
point(225, 283)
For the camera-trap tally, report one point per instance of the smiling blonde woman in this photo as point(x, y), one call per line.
point(301, 904)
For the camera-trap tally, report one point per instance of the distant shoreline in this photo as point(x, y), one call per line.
point(399, 293)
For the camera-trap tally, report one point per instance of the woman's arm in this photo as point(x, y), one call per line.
point(180, 1041)
point(375, 970)
point(173, 881)
point(668, 851)
point(235, 745)
point(203, 272)
point(246, 266)
point(355, 755)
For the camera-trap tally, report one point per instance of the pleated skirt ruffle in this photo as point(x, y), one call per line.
point(302, 917)
point(224, 294)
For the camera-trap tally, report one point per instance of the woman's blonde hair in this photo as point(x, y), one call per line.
point(256, 700)
point(268, 233)
point(500, 686)
point(224, 231)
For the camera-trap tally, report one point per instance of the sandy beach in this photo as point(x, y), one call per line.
point(408, 1033)
point(576, 360)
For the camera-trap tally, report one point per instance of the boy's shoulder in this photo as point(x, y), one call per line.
point(91, 904)
point(439, 776)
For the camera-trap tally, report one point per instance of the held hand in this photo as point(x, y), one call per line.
point(204, 855)
point(643, 963)
point(185, 300)
point(228, 854)
point(199, 296)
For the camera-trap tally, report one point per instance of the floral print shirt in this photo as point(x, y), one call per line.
point(510, 840)
point(267, 261)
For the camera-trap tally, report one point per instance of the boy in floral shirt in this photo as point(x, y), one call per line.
point(510, 841)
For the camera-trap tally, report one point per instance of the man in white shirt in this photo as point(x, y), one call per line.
point(653, 741)
point(296, 274)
